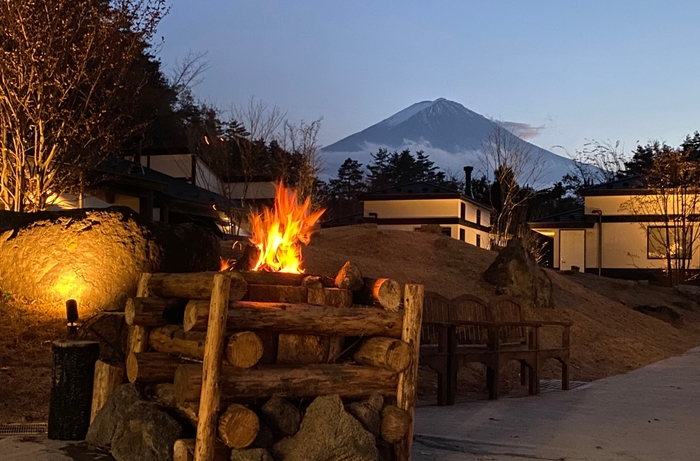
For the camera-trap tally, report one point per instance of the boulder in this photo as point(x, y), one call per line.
point(663, 313)
point(104, 425)
point(691, 292)
point(514, 272)
point(328, 433)
point(368, 416)
point(251, 454)
point(145, 433)
point(95, 255)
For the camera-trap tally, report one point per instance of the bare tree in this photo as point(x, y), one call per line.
point(262, 123)
point(672, 209)
point(69, 70)
point(515, 167)
point(301, 140)
point(597, 163)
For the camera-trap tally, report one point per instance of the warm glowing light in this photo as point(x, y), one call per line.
point(279, 232)
point(224, 264)
point(68, 286)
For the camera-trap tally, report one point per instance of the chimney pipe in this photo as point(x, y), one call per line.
point(468, 180)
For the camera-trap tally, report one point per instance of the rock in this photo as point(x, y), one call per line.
point(691, 292)
point(368, 416)
point(515, 273)
point(251, 454)
point(663, 313)
point(265, 437)
point(95, 256)
point(282, 416)
point(102, 429)
point(376, 401)
point(145, 434)
point(328, 433)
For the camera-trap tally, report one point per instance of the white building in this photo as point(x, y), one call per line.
point(410, 206)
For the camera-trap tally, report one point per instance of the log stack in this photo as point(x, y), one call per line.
point(238, 353)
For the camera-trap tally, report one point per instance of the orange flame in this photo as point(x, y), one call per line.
point(279, 232)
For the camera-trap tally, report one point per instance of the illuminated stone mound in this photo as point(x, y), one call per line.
point(95, 256)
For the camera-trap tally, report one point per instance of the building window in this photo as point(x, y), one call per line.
point(446, 231)
point(478, 218)
point(462, 235)
point(478, 241)
point(463, 211)
point(677, 242)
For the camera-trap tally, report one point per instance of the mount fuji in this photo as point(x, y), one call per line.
point(449, 132)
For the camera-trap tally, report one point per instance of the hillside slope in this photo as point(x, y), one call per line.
point(608, 337)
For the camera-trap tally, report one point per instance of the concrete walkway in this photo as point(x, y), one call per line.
point(650, 414)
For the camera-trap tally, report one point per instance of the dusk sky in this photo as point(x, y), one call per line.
point(604, 70)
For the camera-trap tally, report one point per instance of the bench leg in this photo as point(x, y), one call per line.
point(533, 381)
point(565, 375)
point(442, 383)
point(492, 380)
point(452, 371)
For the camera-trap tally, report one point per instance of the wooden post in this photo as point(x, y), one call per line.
point(211, 369)
point(138, 334)
point(107, 378)
point(71, 388)
point(408, 379)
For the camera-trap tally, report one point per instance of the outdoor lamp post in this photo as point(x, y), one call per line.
point(72, 317)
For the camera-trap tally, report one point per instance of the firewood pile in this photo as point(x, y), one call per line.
point(243, 355)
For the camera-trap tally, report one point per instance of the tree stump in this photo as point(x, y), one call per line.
point(71, 388)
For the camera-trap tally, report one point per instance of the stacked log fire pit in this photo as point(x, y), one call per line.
point(248, 356)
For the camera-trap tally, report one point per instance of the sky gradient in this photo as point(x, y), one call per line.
point(604, 70)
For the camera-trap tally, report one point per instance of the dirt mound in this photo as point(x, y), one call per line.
point(609, 337)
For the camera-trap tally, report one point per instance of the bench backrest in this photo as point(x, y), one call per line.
point(507, 309)
point(435, 309)
point(469, 307)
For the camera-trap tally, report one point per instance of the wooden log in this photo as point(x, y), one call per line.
point(408, 380)
point(151, 367)
point(154, 312)
point(283, 417)
point(299, 318)
point(395, 423)
point(294, 349)
point(238, 426)
point(138, 334)
point(331, 297)
point(243, 349)
point(183, 450)
point(108, 377)
point(276, 293)
point(270, 342)
point(172, 339)
point(388, 353)
point(209, 397)
point(349, 277)
point(385, 293)
point(164, 395)
point(351, 381)
point(318, 281)
point(193, 285)
point(272, 278)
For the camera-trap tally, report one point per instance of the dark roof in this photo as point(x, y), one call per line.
point(573, 218)
point(419, 190)
point(175, 188)
point(622, 186)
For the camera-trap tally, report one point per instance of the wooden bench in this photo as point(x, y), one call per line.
point(468, 330)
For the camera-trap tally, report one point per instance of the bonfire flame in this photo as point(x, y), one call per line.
point(279, 232)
